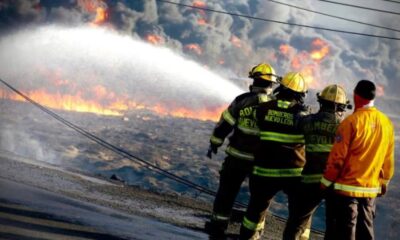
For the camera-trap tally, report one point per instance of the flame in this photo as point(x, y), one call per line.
point(63, 101)
point(380, 90)
point(95, 6)
point(320, 49)
point(154, 39)
point(202, 21)
point(307, 63)
point(101, 100)
point(286, 49)
point(202, 114)
point(199, 4)
point(195, 48)
point(101, 16)
point(116, 107)
point(236, 41)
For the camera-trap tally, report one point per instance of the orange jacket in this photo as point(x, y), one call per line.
point(362, 157)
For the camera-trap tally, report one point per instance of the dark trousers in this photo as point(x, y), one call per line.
point(262, 191)
point(234, 171)
point(354, 217)
point(308, 197)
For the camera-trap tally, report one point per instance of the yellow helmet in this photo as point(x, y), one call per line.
point(263, 71)
point(334, 93)
point(295, 82)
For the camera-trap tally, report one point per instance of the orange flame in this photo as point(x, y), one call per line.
point(320, 49)
point(199, 4)
point(101, 16)
point(154, 39)
point(195, 48)
point(95, 6)
point(201, 21)
point(307, 63)
point(380, 90)
point(116, 107)
point(236, 41)
point(286, 49)
point(101, 100)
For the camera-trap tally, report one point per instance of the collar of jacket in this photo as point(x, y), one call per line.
point(255, 89)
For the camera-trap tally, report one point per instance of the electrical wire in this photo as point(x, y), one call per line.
point(393, 1)
point(120, 151)
point(333, 16)
point(361, 7)
point(275, 21)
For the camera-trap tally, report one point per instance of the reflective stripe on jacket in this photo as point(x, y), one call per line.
point(239, 118)
point(362, 157)
point(319, 133)
point(281, 150)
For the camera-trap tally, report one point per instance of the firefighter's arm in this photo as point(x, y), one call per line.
point(387, 170)
point(338, 154)
point(221, 130)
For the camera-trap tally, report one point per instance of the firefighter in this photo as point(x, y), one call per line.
point(280, 154)
point(319, 133)
point(238, 119)
point(360, 166)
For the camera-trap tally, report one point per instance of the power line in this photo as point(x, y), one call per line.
point(333, 16)
point(275, 21)
point(393, 1)
point(361, 7)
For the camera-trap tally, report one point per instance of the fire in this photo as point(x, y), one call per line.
point(201, 21)
point(63, 94)
point(154, 39)
point(199, 4)
point(101, 16)
point(320, 49)
point(307, 63)
point(236, 41)
point(64, 102)
point(95, 6)
point(202, 114)
point(286, 49)
point(195, 48)
point(380, 90)
point(113, 107)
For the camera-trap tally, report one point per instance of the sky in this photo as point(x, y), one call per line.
point(231, 45)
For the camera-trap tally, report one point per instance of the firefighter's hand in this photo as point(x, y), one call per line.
point(383, 190)
point(212, 149)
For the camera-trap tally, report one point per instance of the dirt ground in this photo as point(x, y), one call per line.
point(169, 208)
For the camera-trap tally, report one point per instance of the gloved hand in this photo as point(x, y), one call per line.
point(212, 149)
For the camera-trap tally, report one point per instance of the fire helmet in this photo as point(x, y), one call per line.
point(334, 93)
point(263, 71)
point(295, 82)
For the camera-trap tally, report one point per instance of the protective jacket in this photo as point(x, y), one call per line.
point(362, 157)
point(281, 149)
point(319, 133)
point(239, 118)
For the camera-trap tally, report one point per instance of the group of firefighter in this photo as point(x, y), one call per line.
point(276, 141)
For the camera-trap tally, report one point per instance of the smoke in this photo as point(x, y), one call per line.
point(24, 144)
point(235, 44)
